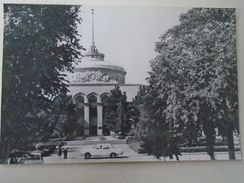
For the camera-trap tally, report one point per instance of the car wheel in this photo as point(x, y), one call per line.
point(113, 155)
point(87, 155)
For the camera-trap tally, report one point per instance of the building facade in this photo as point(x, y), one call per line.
point(90, 85)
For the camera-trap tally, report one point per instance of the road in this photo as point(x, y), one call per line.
point(128, 156)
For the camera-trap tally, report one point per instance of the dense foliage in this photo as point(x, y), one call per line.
point(193, 82)
point(121, 115)
point(39, 42)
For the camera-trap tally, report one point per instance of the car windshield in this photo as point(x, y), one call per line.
point(112, 146)
point(103, 146)
point(97, 147)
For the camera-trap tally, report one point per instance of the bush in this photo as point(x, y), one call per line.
point(204, 149)
point(102, 138)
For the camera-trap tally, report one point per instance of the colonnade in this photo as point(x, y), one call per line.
point(99, 110)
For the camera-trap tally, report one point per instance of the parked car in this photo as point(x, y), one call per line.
point(17, 156)
point(101, 150)
point(34, 157)
point(47, 148)
point(46, 145)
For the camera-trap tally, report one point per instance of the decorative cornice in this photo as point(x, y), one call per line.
point(91, 77)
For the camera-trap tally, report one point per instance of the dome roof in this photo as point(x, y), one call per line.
point(93, 69)
point(95, 60)
point(94, 64)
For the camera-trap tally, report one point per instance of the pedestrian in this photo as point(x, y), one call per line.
point(60, 150)
point(65, 152)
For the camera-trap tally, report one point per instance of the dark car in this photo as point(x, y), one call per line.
point(17, 156)
point(47, 148)
point(46, 145)
point(34, 157)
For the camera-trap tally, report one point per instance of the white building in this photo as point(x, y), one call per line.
point(90, 85)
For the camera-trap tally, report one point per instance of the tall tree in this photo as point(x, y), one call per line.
point(115, 116)
point(194, 77)
point(40, 41)
point(121, 115)
point(70, 124)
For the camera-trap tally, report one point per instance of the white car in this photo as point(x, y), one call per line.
point(101, 150)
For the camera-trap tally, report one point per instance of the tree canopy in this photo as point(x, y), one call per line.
point(120, 115)
point(193, 81)
point(40, 41)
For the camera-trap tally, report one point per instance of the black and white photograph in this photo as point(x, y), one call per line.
point(85, 84)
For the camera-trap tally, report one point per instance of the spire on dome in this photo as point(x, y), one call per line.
point(93, 41)
point(93, 53)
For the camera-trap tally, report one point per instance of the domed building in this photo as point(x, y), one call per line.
point(90, 84)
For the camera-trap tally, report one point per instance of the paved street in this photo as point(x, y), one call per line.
point(129, 155)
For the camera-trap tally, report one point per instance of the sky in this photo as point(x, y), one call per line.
point(127, 35)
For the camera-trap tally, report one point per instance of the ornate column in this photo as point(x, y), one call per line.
point(99, 117)
point(86, 117)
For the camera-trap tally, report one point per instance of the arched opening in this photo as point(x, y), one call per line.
point(79, 102)
point(92, 99)
point(106, 123)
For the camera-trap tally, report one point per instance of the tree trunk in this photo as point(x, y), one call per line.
point(210, 146)
point(231, 146)
point(208, 128)
point(5, 145)
point(210, 138)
